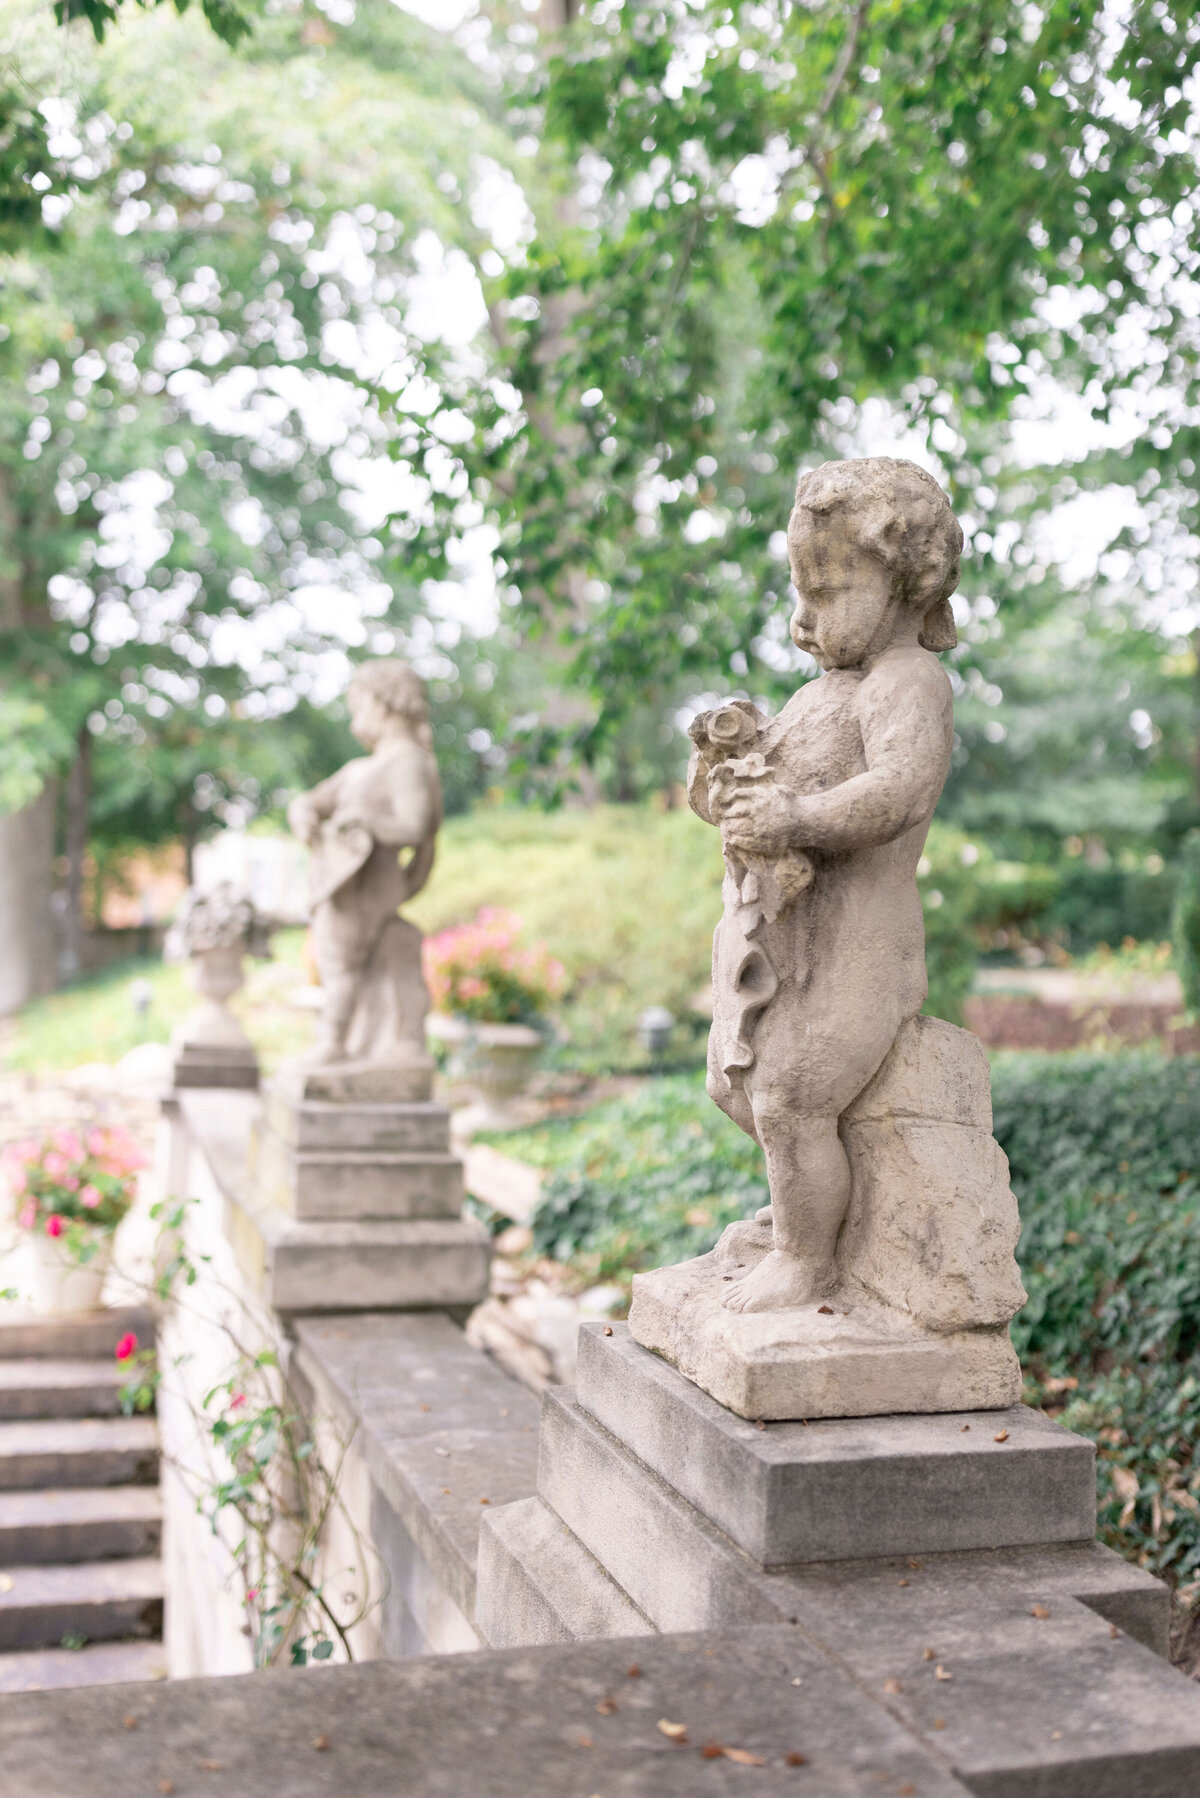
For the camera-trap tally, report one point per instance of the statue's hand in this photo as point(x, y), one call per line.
point(757, 817)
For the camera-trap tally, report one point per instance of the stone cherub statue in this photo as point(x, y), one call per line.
point(372, 828)
point(819, 975)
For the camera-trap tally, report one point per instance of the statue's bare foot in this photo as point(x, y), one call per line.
point(780, 1282)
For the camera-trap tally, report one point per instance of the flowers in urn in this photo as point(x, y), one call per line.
point(482, 972)
point(72, 1189)
point(491, 994)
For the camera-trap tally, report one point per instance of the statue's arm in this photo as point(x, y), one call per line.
point(907, 731)
point(308, 809)
point(400, 814)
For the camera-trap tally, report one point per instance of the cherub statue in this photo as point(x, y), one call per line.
point(357, 824)
point(819, 958)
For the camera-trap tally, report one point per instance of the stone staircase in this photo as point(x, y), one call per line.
point(81, 1584)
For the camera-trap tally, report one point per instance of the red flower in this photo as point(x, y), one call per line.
point(127, 1347)
point(54, 1224)
point(239, 1398)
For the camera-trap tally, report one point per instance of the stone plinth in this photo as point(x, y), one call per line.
point(838, 1490)
point(215, 1064)
point(321, 1160)
point(916, 1317)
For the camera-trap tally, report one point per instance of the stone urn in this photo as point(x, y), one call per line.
point(60, 1285)
point(213, 932)
point(495, 1061)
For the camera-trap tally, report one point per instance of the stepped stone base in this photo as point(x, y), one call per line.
point(317, 1159)
point(358, 1082)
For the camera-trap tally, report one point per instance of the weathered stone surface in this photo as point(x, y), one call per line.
point(932, 1225)
point(860, 1359)
point(440, 1426)
point(213, 1064)
point(425, 1263)
point(537, 1583)
point(559, 1722)
point(350, 1184)
point(842, 1489)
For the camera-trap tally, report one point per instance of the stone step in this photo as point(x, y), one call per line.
point(34, 1387)
point(79, 1523)
point(100, 1601)
point(103, 1664)
point(78, 1451)
point(76, 1337)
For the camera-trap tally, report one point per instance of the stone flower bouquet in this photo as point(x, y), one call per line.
point(727, 740)
point(480, 971)
point(72, 1190)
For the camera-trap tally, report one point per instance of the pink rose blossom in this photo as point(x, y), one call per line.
point(27, 1216)
point(71, 1182)
point(54, 1224)
point(238, 1399)
point(91, 1196)
point(55, 1164)
point(127, 1347)
point(68, 1143)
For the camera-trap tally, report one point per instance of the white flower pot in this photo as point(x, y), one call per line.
point(58, 1283)
point(496, 1062)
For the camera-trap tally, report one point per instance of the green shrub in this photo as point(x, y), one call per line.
point(1185, 922)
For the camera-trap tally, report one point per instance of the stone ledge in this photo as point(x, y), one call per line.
point(539, 1583)
point(518, 1724)
point(839, 1489)
point(428, 1412)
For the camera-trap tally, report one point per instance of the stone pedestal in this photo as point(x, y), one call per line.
point(356, 1203)
point(215, 1064)
point(660, 1510)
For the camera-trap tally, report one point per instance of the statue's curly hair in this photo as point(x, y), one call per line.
point(398, 687)
point(901, 516)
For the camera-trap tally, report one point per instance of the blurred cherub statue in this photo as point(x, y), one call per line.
point(372, 828)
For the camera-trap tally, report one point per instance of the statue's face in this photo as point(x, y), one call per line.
point(368, 718)
point(846, 608)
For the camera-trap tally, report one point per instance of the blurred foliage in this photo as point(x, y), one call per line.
point(1185, 923)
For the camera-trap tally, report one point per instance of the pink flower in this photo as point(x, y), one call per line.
point(91, 1196)
point(18, 1182)
point(27, 1217)
point(55, 1164)
point(71, 1182)
point(68, 1143)
point(251, 1595)
point(238, 1399)
point(126, 1349)
point(54, 1224)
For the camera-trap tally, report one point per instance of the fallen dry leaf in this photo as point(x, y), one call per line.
point(586, 1742)
point(797, 1682)
point(633, 1672)
point(129, 1722)
point(166, 1785)
point(907, 1789)
point(712, 1751)
point(929, 1654)
point(608, 1329)
point(1113, 1631)
point(676, 1731)
point(607, 1707)
point(211, 1766)
point(320, 1743)
point(795, 1760)
point(1039, 1611)
point(485, 1501)
point(892, 1686)
point(1000, 1436)
point(902, 1582)
point(1067, 1384)
point(743, 1757)
point(824, 1310)
point(939, 1723)
point(941, 1673)
point(917, 1565)
point(1125, 1482)
point(1056, 1735)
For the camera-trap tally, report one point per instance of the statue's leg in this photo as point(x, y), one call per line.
point(809, 1177)
point(339, 959)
